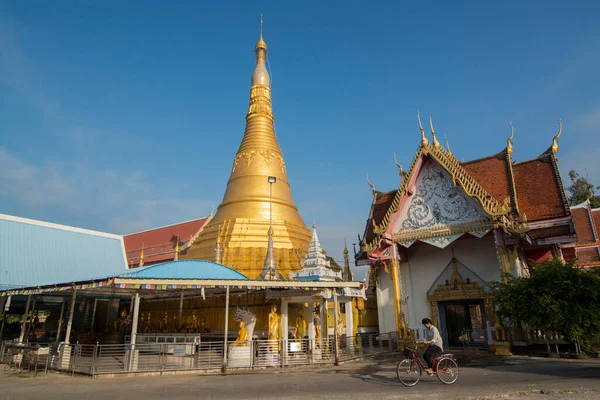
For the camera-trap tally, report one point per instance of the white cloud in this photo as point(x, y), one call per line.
point(124, 201)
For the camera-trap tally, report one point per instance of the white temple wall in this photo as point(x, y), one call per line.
point(385, 303)
point(426, 263)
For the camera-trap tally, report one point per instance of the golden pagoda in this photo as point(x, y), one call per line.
point(240, 228)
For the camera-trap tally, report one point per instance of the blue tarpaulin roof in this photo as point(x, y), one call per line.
point(36, 253)
point(185, 269)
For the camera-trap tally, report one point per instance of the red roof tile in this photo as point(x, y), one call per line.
point(159, 244)
point(587, 255)
point(492, 174)
point(539, 192)
point(583, 227)
point(596, 218)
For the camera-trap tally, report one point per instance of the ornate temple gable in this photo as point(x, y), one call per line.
point(459, 176)
point(439, 211)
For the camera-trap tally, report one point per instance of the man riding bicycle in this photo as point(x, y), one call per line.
point(435, 342)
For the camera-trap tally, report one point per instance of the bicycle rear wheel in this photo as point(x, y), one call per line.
point(408, 372)
point(447, 371)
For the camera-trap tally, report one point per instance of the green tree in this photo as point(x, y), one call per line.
point(556, 298)
point(581, 190)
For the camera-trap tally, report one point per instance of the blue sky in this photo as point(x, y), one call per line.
point(124, 115)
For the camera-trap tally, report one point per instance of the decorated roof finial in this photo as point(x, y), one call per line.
point(509, 145)
point(436, 144)
point(400, 170)
point(345, 247)
point(447, 145)
point(555, 140)
point(370, 184)
point(424, 141)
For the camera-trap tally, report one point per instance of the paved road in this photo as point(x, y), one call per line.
point(370, 379)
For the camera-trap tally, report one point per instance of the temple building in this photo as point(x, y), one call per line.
point(451, 227)
point(258, 196)
point(587, 225)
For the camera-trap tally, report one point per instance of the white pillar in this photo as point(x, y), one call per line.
point(24, 324)
point(93, 329)
point(181, 310)
point(60, 320)
point(349, 324)
point(226, 328)
point(311, 325)
point(135, 317)
point(70, 322)
point(336, 344)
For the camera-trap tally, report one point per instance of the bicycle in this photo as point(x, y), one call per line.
point(409, 370)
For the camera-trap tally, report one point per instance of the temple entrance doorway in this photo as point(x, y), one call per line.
point(462, 322)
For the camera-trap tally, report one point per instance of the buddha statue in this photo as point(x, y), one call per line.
point(164, 322)
point(242, 336)
point(300, 325)
point(274, 322)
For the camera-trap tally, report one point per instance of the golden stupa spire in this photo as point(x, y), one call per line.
point(244, 213)
point(142, 257)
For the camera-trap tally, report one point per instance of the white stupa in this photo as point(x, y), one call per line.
point(316, 267)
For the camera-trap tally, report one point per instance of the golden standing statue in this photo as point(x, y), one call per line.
point(274, 326)
point(300, 326)
point(355, 316)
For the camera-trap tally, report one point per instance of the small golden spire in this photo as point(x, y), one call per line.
point(370, 184)
point(345, 247)
point(177, 249)
point(509, 145)
point(447, 145)
point(555, 140)
point(400, 170)
point(436, 144)
point(142, 256)
point(424, 141)
point(260, 75)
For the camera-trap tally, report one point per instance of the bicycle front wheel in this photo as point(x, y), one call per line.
point(447, 371)
point(408, 372)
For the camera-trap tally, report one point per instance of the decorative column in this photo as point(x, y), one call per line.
point(181, 310)
point(395, 275)
point(24, 323)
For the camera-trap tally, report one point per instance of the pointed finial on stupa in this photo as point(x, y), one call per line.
point(436, 144)
point(509, 145)
point(260, 75)
point(142, 256)
point(424, 141)
point(345, 247)
point(555, 140)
